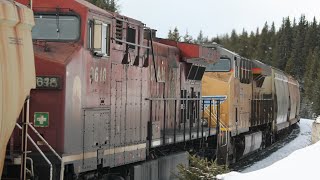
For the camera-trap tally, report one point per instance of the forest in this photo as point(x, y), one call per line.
point(293, 48)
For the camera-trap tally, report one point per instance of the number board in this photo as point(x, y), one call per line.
point(48, 82)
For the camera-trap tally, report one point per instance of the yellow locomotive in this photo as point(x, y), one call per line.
point(260, 103)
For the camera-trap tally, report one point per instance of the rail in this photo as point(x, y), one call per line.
point(52, 150)
point(207, 111)
point(129, 43)
point(213, 114)
point(41, 152)
point(189, 119)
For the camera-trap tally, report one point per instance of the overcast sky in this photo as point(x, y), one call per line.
point(215, 17)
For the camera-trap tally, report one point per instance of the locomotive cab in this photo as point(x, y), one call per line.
point(230, 77)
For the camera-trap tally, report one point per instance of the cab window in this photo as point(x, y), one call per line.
point(245, 71)
point(99, 38)
point(223, 65)
point(52, 27)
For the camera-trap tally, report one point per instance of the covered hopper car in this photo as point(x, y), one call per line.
point(17, 72)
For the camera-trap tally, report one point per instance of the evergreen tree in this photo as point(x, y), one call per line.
point(253, 43)
point(255, 54)
point(205, 40)
point(263, 45)
point(109, 5)
point(113, 6)
point(217, 40)
point(316, 90)
point(174, 35)
point(200, 169)
point(234, 40)
point(311, 73)
point(284, 45)
point(170, 35)
point(200, 38)
point(187, 38)
point(295, 65)
point(312, 36)
point(272, 47)
point(244, 44)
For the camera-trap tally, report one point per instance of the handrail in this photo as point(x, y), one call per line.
point(31, 162)
point(54, 152)
point(172, 99)
point(40, 151)
point(129, 43)
point(215, 117)
point(38, 134)
point(49, 146)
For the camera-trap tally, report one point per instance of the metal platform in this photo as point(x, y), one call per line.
point(180, 136)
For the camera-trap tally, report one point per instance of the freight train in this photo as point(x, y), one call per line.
point(112, 101)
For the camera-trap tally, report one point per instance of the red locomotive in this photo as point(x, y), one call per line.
point(109, 95)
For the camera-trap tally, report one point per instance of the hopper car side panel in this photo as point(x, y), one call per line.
point(17, 72)
point(282, 99)
point(294, 100)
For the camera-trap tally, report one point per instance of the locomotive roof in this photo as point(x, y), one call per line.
point(99, 10)
point(224, 50)
point(93, 7)
point(265, 69)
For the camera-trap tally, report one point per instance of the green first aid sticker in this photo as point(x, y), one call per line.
point(41, 119)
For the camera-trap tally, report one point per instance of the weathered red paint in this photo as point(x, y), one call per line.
point(256, 70)
point(192, 51)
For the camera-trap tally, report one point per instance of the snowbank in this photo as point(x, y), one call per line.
point(315, 131)
point(303, 140)
point(301, 164)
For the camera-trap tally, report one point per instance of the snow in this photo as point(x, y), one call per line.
point(296, 160)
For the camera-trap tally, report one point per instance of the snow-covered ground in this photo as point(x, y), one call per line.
point(293, 161)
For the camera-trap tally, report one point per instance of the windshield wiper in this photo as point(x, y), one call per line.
point(58, 23)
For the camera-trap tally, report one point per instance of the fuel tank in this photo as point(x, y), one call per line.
point(17, 71)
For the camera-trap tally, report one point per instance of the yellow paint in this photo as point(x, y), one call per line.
point(17, 72)
point(214, 83)
point(239, 97)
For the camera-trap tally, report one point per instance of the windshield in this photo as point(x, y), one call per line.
point(55, 28)
point(223, 65)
